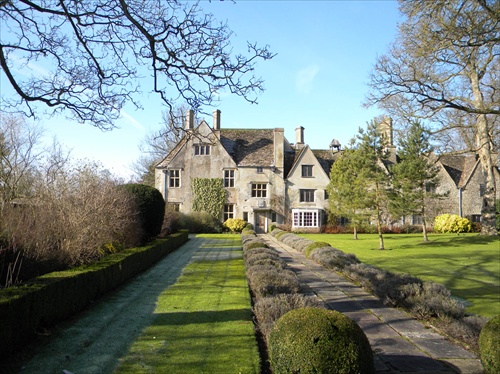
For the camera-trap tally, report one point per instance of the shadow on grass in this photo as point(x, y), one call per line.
point(188, 318)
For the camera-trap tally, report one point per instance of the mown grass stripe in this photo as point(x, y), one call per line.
point(203, 323)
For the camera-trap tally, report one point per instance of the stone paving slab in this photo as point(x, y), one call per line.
point(400, 343)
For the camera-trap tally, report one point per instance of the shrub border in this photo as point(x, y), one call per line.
point(50, 298)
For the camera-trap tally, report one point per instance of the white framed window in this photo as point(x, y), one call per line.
point(260, 169)
point(201, 149)
point(259, 190)
point(174, 178)
point(228, 211)
point(307, 196)
point(229, 178)
point(306, 218)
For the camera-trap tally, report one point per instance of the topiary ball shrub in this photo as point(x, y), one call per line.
point(269, 309)
point(311, 340)
point(489, 345)
point(151, 207)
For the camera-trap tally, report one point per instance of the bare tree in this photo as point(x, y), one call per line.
point(445, 67)
point(157, 144)
point(86, 57)
point(20, 154)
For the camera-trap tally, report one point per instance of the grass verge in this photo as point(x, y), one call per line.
point(468, 265)
point(202, 323)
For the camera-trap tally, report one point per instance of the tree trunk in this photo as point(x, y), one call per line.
point(484, 151)
point(379, 229)
point(355, 233)
point(424, 230)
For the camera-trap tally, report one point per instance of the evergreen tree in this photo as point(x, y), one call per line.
point(373, 157)
point(347, 189)
point(414, 177)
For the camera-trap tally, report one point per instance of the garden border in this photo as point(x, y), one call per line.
point(50, 298)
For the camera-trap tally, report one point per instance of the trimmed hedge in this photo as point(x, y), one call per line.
point(52, 297)
point(311, 340)
point(314, 245)
point(489, 345)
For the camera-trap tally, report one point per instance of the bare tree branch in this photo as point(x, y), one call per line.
point(87, 59)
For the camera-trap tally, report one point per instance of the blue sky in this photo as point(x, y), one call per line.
point(325, 51)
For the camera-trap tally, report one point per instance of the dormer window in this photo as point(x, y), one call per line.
point(201, 149)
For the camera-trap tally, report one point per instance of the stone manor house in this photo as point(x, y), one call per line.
point(268, 179)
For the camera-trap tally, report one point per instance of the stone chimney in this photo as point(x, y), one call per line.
point(279, 148)
point(385, 129)
point(189, 125)
point(299, 137)
point(216, 119)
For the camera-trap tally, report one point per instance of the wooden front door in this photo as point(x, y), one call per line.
point(260, 222)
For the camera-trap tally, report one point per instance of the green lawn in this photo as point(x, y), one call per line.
point(468, 265)
point(203, 323)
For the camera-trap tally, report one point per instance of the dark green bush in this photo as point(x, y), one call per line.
point(200, 222)
point(489, 345)
point(311, 247)
point(151, 206)
point(268, 310)
point(272, 226)
point(311, 340)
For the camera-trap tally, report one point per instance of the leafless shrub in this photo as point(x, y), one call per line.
point(265, 260)
point(466, 329)
point(275, 232)
point(270, 252)
point(333, 258)
point(268, 310)
point(75, 219)
point(267, 280)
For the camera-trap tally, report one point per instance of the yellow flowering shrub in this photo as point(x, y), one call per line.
point(235, 224)
point(451, 223)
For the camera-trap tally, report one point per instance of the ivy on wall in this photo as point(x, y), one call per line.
point(209, 196)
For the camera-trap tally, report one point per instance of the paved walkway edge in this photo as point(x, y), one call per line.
point(401, 344)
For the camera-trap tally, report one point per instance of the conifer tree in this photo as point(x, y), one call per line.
point(414, 177)
point(347, 189)
point(373, 168)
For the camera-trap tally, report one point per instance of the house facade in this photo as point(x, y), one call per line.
point(268, 179)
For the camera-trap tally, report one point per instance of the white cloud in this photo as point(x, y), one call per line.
point(127, 117)
point(305, 78)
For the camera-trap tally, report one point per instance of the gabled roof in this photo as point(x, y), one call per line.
point(459, 167)
point(326, 158)
point(249, 147)
point(454, 166)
